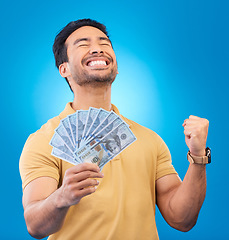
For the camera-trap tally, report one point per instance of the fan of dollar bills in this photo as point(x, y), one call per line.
point(93, 135)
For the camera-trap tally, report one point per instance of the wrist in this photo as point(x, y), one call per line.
point(198, 153)
point(202, 157)
point(59, 200)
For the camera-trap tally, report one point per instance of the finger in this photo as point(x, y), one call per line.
point(87, 166)
point(86, 191)
point(190, 120)
point(87, 183)
point(189, 130)
point(192, 123)
point(186, 122)
point(85, 175)
point(188, 133)
point(193, 117)
point(83, 167)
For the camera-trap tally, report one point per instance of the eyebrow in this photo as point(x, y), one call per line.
point(106, 39)
point(80, 40)
point(87, 39)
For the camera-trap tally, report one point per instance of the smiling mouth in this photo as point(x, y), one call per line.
point(98, 63)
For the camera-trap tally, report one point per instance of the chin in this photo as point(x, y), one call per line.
point(97, 81)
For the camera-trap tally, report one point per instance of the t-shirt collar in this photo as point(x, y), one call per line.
point(69, 110)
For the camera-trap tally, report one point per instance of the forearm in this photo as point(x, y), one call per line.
point(180, 202)
point(45, 217)
point(46, 206)
point(187, 199)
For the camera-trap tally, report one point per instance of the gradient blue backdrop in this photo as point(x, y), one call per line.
point(173, 61)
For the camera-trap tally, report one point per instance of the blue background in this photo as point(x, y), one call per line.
point(173, 61)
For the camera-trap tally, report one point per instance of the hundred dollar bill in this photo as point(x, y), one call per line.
point(62, 132)
point(73, 126)
point(66, 123)
point(58, 143)
point(92, 114)
point(103, 132)
point(109, 146)
point(108, 119)
point(81, 120)
point(98, 119)
point(58, 153)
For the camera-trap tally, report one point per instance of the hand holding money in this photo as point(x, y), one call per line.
point(79, 181)
point(94, 136)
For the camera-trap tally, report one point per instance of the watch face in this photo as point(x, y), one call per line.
point(208, 154)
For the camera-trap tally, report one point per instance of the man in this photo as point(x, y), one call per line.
point(81, 202)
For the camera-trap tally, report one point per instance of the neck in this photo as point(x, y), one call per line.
point(87, 96)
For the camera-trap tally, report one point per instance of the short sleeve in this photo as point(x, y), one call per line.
point(164, 162)
point(36, 160)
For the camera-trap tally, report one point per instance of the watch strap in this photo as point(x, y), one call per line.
point(200, 160)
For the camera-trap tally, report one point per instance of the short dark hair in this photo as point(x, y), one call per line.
point(59, 47)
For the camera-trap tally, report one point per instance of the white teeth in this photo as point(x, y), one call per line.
point(93, 63)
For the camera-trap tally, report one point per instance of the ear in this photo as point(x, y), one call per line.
point(64, 70)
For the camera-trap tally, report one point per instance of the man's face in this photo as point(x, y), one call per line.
point(91, 59)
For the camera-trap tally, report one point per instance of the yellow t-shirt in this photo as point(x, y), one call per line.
point(123, 206)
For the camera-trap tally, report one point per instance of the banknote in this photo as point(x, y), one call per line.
point(57, 142)
point(65, 136)
point(81, 120)
point(102, 114)
point(108, 147)
point(73, 127)
point(66, 124)
point(64, 156)
point(106, 122)
point(93, 135)
point(92, 114)
point(100, 134)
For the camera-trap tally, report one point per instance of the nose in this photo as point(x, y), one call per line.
point(95, 49)
point(92, 52)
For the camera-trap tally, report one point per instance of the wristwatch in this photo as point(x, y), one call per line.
point(200, 160)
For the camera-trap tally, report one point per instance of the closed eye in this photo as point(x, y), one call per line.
point(105, 44)
point(83, 45)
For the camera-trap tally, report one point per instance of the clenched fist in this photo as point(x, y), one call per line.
point(196, 132)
